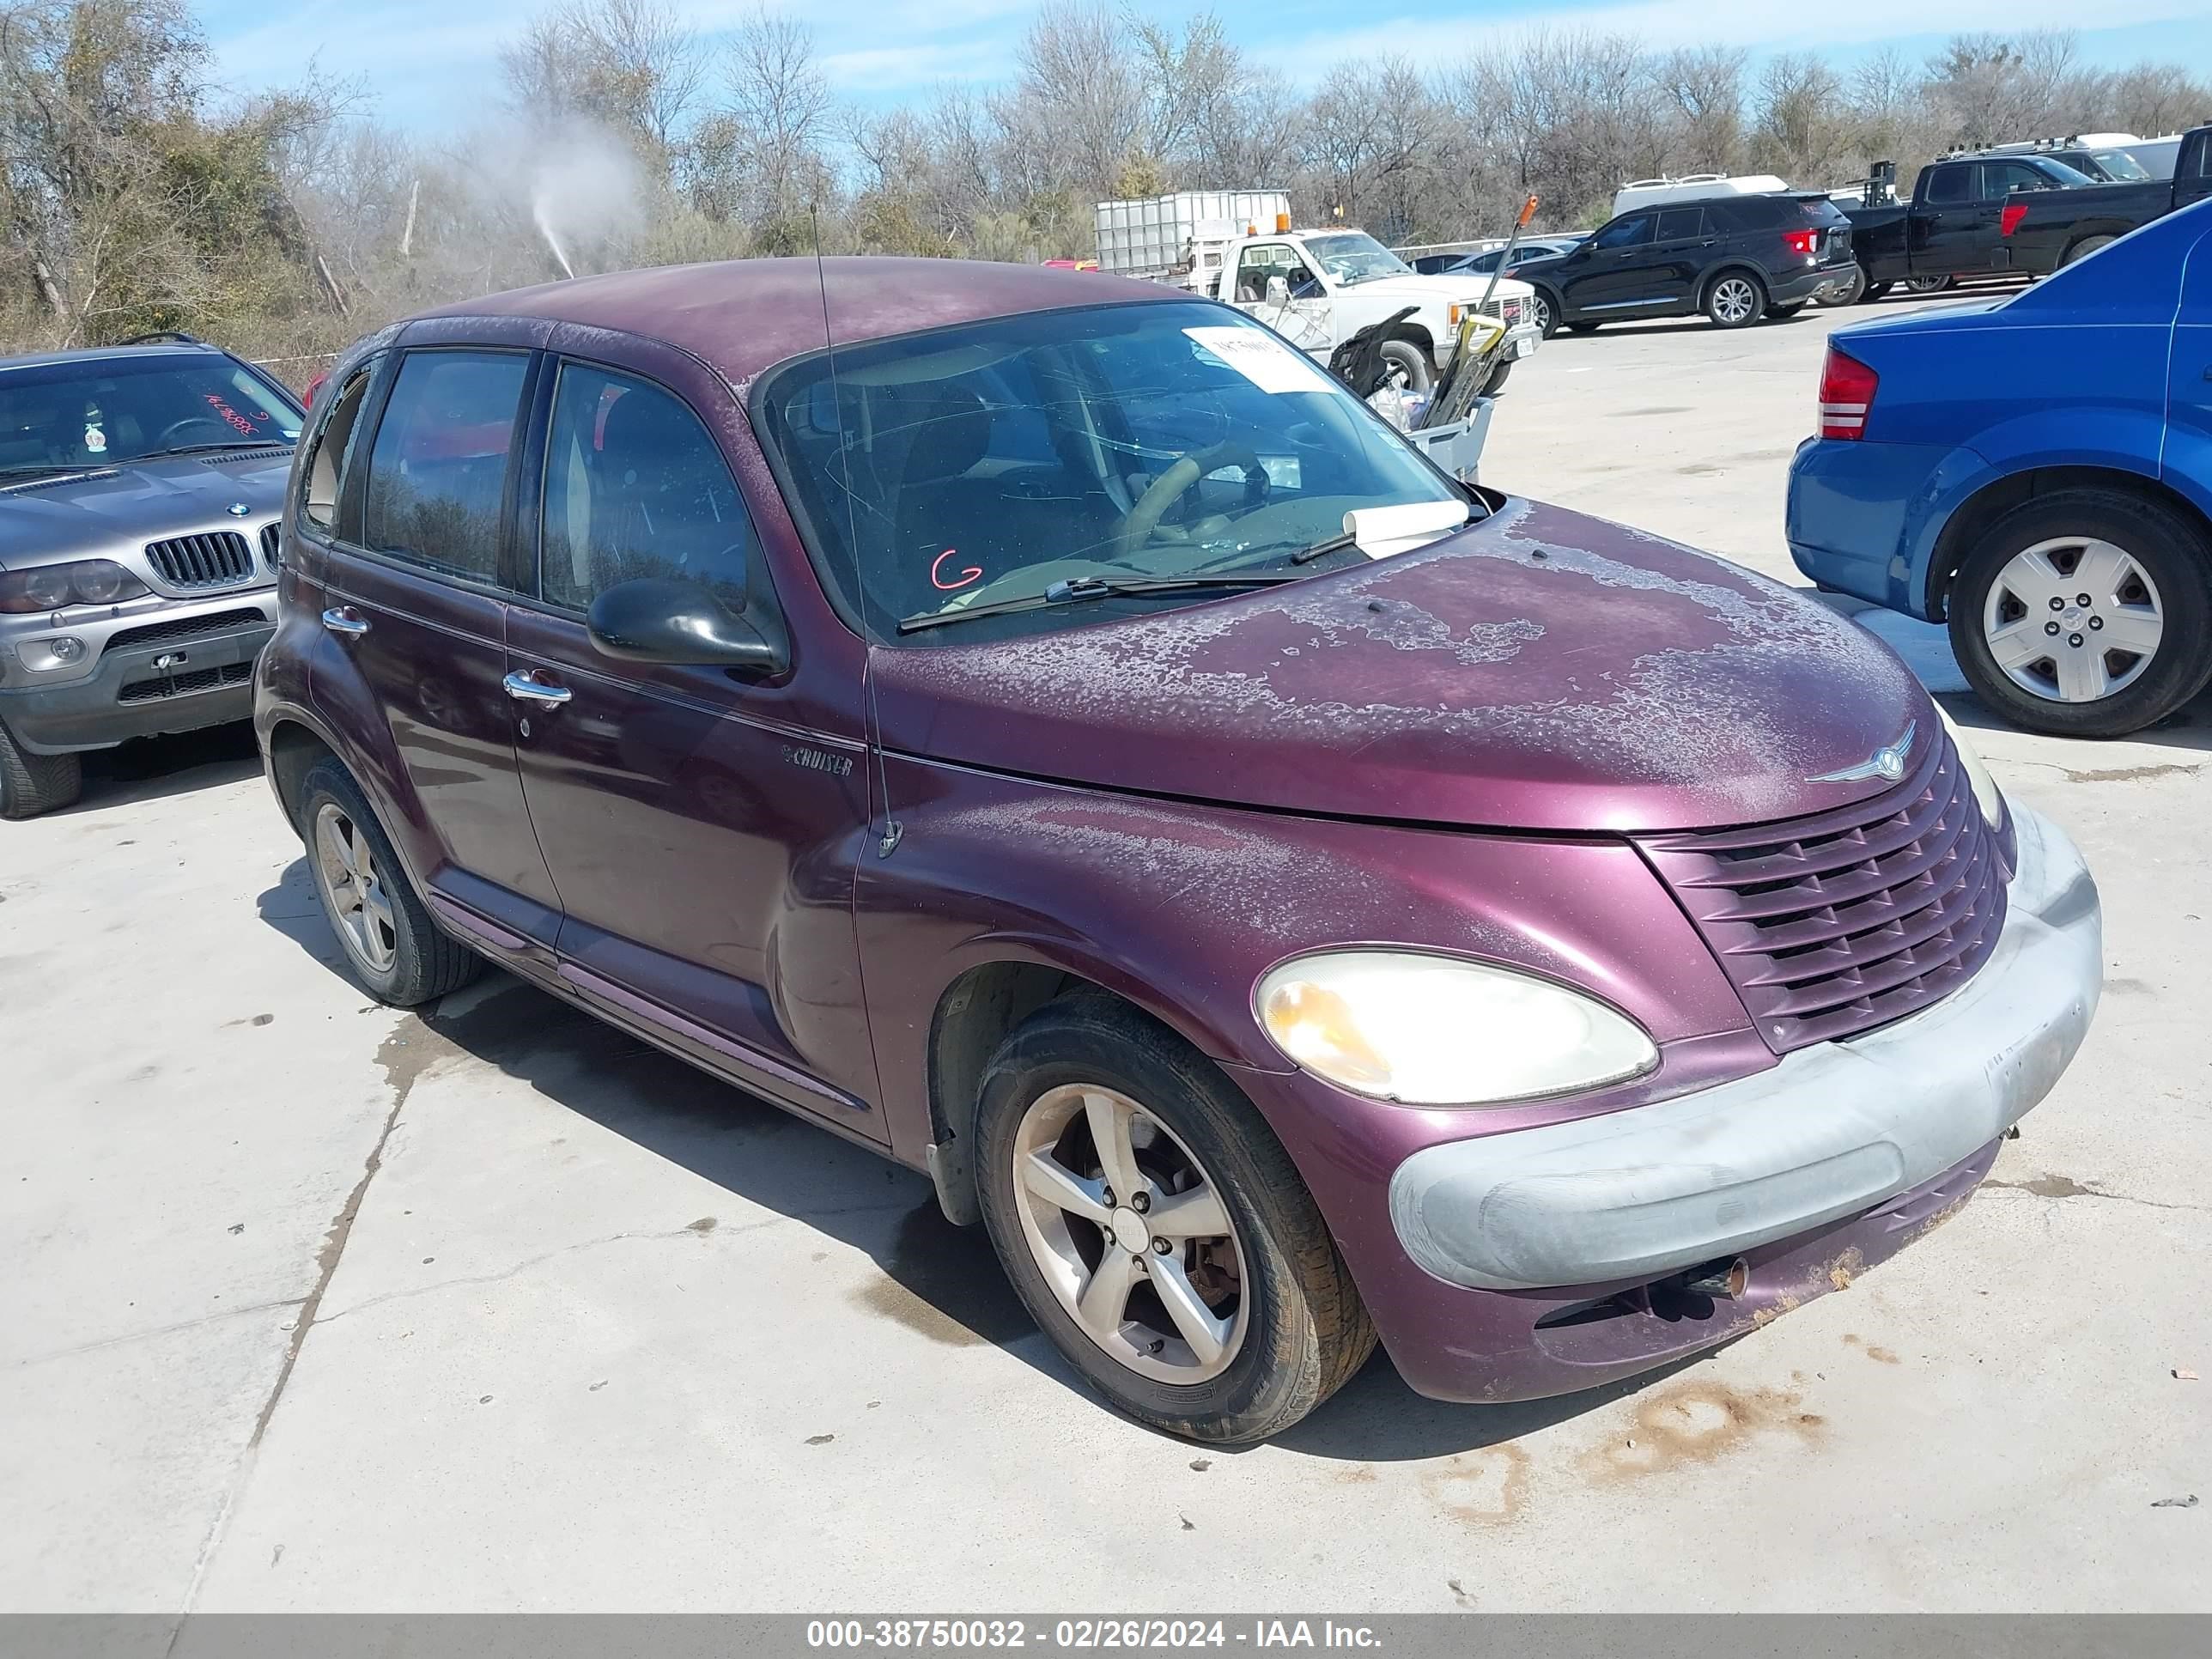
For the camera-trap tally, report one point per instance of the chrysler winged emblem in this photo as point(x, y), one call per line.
point(1882, 763)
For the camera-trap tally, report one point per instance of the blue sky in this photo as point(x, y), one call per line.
point(430, 64)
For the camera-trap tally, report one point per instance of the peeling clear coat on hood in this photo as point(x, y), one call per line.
point(1540, 670)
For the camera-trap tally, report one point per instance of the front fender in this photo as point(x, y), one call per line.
point(1180, 908)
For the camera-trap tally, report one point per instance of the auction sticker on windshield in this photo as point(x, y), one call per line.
point(1262, 359)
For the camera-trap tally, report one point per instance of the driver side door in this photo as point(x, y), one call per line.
point(701, 832)
point(1307, 317)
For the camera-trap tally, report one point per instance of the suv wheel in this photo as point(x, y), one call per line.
point(1927, 284)
point(2082, 613)
point(1735, 299)
point(1848, 293)
point(31, 784)
point(1544, 312)
point(393, 947)
point(1158, 1231)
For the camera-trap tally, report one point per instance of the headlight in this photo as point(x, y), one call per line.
point(52, 587)
point(1987, 795)
point(1434, 1030)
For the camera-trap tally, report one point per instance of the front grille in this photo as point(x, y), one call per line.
point(180, 685)
point(218, 559)
point(185, 627)
point(269, 554)
point(1832, 924)
point(1509, 311)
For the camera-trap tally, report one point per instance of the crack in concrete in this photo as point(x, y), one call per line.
point(149, 1335)
point(2065, 1186)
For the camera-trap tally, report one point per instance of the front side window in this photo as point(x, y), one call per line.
point(1631, 232)
point(96, 412)
point(634, 488)
point(437, 472)
point(999, 460)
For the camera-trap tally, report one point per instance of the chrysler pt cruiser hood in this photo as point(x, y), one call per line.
point(1540, 670)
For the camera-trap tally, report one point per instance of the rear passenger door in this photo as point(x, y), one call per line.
point(1948, 223)
point(414, 598)
point(702, 837)
point(1685, 240)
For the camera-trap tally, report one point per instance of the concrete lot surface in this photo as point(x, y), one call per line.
point(311, 1305)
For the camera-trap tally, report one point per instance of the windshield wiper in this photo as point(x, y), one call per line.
point(1334, 544)
point(51, 469)
point(227, 443)
point(1094, 588)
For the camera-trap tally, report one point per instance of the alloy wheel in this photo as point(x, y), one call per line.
point(1130, 1233)
point(345, 864)
point(1735, 300)
point(1540, 312)
point(2073, 619)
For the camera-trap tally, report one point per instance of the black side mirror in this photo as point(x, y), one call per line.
point(679, 622)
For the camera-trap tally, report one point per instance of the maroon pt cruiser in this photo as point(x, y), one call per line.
point(1038, 725)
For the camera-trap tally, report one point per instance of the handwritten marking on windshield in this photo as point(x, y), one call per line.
point(969, 573)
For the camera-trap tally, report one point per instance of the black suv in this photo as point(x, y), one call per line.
point(1736, 259)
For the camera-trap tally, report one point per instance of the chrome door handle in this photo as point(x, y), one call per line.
point(343, 619)
point(526, 690)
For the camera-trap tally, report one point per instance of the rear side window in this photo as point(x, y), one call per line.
point(330, 449)
point(1675, 223)
point(1954, 183)
point(636, 487)
point(438, 471)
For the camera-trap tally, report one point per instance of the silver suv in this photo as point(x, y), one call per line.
point(139, 492)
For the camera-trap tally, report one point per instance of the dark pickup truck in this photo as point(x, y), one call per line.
point(2010, 212)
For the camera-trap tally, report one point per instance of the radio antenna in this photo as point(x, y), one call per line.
point(887, 839)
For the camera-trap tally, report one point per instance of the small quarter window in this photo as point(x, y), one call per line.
point(330, 449)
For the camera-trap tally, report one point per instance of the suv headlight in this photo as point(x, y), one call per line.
point(1987, 795)
point(55, 586)
point(1436, 1030)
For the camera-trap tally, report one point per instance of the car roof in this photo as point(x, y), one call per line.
point(110, 353)
point(742, 316)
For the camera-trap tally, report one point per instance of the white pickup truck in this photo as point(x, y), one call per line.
point(1318, 287)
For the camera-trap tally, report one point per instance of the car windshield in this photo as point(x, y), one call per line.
point(2118, 166)
point(2065, 176)
point(95, 411)
point(1352, 257)
point(1004, 460)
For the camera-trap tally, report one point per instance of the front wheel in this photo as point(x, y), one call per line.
point(1849, 292)
point(1875, 291)
point(2082, 613)
point(1498, 380)
point(1544, 312)
point(31, 784)
point(1158, 1231)
point(1735, 299)
point(1927, 284)
point(1407, 365)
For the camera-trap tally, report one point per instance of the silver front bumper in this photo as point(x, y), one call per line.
point(1829, 1131)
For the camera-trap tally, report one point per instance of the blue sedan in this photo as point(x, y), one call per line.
point(2036, 471)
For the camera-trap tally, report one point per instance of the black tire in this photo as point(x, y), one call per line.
point(1929, 284)
point(1411, 359)
point(1307, 1331)
point(31, 784)
point(1784, 314)
point(426, 962)
point(1583, 328)
point(1498, 380)
point(1875, 291)
point(1544, 306)
point(2173, 553)
point(1849, 294)
point(1725, 303)
point(2084, 248)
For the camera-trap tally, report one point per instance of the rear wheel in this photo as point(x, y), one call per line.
point(1873, 291)
point(31, 784)
point(393, 948)
point(1849, 292)
point(1734, 298)
point(2084, 248)
point(1156, 1229)
point(2083, 613)
point(1927, 284)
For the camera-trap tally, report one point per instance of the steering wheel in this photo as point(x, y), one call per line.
point(1167, 489)
point(168, 433)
